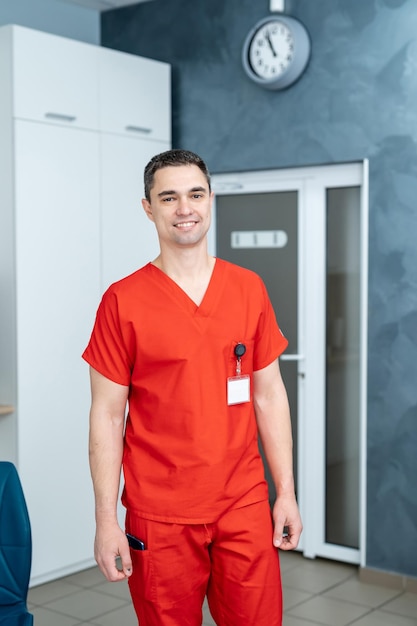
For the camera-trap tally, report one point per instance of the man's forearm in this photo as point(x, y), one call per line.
point(105, 454)
point(106, 442)
point(275, 432)
point(274, 426)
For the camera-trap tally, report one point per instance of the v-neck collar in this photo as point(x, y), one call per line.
point(211, 294)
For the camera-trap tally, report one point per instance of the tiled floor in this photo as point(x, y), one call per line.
point(315, 592)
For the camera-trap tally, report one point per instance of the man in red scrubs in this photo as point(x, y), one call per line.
point(190, 344)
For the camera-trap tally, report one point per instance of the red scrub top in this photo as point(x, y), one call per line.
point(188, 456)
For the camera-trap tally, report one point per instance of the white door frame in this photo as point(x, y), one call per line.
point(311, 184)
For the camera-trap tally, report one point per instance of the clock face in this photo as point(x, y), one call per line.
point(271, 50)
point(276, 52)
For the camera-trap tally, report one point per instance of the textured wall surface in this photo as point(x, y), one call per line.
point(357, 99)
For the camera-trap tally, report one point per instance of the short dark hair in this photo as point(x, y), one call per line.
point(172, 158)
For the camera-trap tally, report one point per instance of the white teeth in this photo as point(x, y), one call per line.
point(185, 224)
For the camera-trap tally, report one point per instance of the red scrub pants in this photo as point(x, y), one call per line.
point(232, 561)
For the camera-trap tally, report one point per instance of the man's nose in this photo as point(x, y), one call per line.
point(183, 207)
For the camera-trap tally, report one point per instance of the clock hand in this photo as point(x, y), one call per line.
point(268, 38)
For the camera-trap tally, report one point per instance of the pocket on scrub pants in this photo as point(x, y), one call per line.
point(142, 581)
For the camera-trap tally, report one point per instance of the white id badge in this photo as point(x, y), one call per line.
point(238, 389)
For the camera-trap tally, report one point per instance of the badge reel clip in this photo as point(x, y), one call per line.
point(238, 387)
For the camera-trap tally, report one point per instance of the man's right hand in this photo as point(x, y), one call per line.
point(111, 543)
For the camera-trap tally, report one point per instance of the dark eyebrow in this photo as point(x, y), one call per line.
point(172, 192)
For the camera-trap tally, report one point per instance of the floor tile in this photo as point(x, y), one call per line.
point(379, 618)
point(328, 611)
point(125, 616)
point(361, 593)
point(51, 591)
point(293, 597)
point(314, 578)
point(119, 589)
point(289, 620)
point(289, 560)
point(86, 604)
point(44, 617)
point(405, 605)
point(86, 578)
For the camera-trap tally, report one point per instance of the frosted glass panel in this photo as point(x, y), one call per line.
point(343, 366)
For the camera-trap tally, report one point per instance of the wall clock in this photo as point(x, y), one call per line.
point(276, 52)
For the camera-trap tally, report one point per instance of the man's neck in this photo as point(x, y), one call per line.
point(190, 269)
point(186, 263)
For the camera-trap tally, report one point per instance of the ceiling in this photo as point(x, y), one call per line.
point(103, 5)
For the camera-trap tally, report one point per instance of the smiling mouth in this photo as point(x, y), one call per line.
point(185, 224)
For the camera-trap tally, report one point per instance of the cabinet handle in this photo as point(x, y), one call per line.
point(139, 129)
point(61, 116)
point(6, 409)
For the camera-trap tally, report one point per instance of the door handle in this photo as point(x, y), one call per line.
point(291, 357)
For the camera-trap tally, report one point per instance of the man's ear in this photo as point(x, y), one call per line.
point(147, 208)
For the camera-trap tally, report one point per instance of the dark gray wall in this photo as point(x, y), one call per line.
point(357, 99)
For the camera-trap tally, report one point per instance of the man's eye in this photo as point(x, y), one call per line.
point(168, 199)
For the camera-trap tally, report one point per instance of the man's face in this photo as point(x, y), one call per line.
point(180, 205)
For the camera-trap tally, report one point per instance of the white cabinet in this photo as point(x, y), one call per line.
point(70, 222)
point(54, 79)
point(134, 107)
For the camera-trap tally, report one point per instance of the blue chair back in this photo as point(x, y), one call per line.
point(15, 549)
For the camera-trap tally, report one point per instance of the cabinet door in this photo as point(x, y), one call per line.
point(128, 236)
point(55, 79)
point(135, 95)
point(57, 251)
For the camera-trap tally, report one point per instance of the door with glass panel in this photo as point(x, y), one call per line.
point(304, 232)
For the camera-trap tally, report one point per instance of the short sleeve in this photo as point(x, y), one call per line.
point(270, 342)
point(110, 351)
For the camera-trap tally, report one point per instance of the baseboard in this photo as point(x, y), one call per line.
point(387, 579)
